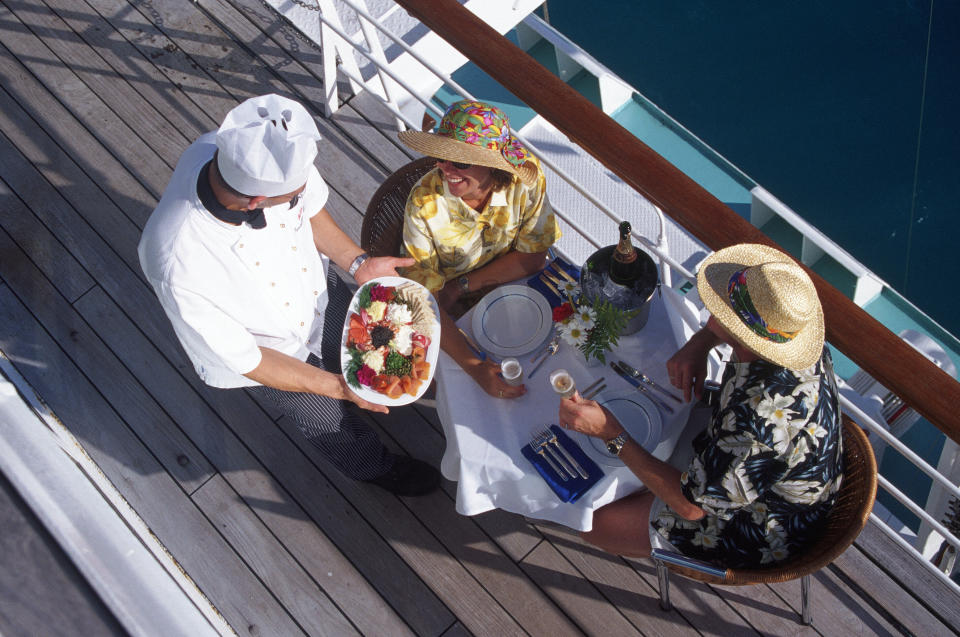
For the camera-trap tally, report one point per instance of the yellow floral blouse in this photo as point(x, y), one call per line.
point(448, 238)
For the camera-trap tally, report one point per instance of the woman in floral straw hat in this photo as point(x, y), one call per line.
point(479, 219)
point(766, 470)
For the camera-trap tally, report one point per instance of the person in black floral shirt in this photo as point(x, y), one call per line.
point(767, 468)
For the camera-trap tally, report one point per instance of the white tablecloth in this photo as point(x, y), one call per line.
point(484, 434)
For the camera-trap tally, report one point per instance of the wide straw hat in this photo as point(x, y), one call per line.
point(766, 301)
point(266, 146)
point(475, 133)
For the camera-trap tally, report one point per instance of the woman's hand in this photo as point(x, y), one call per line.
point(449, 294)
point(375, 267)
point(588, 417)
point(488, 377)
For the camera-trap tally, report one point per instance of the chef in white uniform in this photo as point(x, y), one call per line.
point(238, 252)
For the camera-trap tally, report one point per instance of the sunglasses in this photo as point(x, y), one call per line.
point(456, 164)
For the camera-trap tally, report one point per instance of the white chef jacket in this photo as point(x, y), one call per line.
point(229, 290)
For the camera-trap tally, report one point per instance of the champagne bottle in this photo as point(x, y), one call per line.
point(624, 264)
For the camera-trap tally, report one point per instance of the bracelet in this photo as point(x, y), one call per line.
point(361, 258)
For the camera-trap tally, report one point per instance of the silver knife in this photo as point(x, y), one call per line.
point(647, 380)
point(641, 387)
point(472, 345)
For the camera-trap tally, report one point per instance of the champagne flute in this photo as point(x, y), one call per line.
point(562, 382)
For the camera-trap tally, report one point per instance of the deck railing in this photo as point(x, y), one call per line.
point(922, 385)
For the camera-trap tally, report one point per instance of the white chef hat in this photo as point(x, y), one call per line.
point(266, 146)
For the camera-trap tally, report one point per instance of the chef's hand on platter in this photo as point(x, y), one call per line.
point(588, 417)
point(347, 394)
point(375, 267)
point(488, 377)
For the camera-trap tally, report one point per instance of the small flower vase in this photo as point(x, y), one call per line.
point(593, 361)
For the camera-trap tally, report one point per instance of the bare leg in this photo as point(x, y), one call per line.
point(622, 527)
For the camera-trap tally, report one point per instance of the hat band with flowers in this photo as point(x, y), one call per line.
point(475, 133)
point(485, 126)
point(743, 306)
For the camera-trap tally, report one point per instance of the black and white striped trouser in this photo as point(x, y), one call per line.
point(334, 426)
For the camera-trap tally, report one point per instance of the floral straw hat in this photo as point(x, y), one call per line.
point(766, 301)
point(475, 133)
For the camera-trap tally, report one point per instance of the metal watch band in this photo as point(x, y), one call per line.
point(615, 445)
point(363, 256)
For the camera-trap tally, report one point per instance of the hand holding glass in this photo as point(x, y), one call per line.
point(511, 371)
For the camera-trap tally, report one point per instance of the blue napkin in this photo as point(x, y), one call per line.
point(571, 489)
point(538, 285)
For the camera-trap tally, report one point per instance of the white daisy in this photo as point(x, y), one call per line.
point(586, 316)
point(570, 289)
point(573, 332)
point(799, 491)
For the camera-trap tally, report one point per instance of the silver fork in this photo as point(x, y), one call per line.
point(538, 447)
point(549, 438)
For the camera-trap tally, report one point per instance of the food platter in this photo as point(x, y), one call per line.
point(390, 341)
point(512, 320)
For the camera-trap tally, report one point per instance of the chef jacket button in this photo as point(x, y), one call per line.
point(294, 248)
point(240, 245)
point(287, 304)
point(304, 269)
point(273, 283)
point(283, 225)
point(301, 323)
point(316, 293)
point(257, 263)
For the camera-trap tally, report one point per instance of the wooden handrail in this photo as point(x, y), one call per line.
point(880, 352)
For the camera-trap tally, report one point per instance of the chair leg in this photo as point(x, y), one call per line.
point(805, 615)
point(663, 580)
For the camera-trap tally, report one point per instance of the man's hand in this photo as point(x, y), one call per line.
point(688, 367)
point(487, 375)
point(375, 267)
point(347, 394)
point(588, 417)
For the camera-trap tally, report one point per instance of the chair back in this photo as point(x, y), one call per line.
point(844, 523)
point(382, 232)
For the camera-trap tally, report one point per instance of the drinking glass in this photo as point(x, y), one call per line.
point(562, 382)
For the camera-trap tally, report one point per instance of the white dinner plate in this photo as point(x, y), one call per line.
point(432, 352)
point(512, 320)
point(638, 415)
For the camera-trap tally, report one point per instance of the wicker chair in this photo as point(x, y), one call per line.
point(846, 520)
point(382, 232)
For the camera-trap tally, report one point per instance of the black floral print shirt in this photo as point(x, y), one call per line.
point(767, 468)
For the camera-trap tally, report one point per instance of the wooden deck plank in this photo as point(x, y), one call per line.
point(700, 605)
point(265, 496)
point(581, 601)
point(46, 252)
point(464, 538)
point(134, 68)
point(124, 395)
point(144, 121)
point(618, 583)
point(421, 550)
point(292, 586)
point(83, 103)
point(71, 161)
point(836, 608)
point(159, 501)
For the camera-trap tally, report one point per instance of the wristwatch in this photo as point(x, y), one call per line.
point(464, 283)
point(363, 256)
point(615, 445)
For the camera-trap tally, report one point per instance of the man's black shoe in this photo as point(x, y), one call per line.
point(408, 477)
